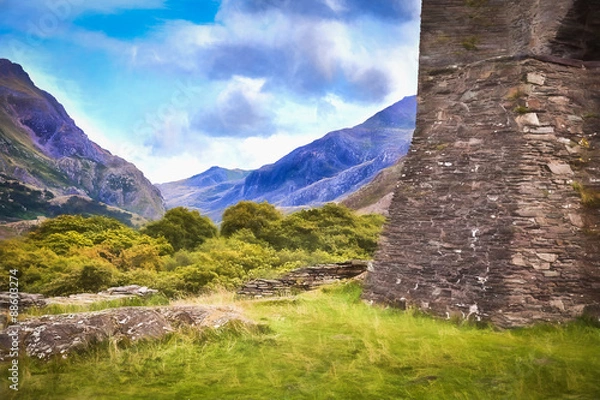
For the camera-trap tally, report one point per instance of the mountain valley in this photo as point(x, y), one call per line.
point(48, 166)
point(326, 170)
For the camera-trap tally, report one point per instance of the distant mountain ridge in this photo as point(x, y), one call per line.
point(325, 170)
point(42, 149)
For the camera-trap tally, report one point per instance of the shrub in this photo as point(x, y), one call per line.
point(63, 242)
point(332, 228)
point(74, 223)
point(255, 217)
point(72, 254)
point(182, 228)
point(78, 276)
point(195, 277)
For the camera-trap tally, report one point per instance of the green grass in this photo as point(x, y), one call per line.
point(330, 345)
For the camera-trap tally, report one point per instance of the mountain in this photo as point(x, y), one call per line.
point(54, 165)
point(325, 170)
point(211, 191)
point(376, 196)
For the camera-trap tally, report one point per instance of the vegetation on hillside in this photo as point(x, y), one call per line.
point(22, 202)
point(329, 344)
point(184, 252)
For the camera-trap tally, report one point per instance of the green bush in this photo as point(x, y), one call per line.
point(332, 228)
point(195, 277)
point(75, 223)
point(62, 243)
point(256, 217)
point(182, 228)
point(78, 275)
point(181, 253)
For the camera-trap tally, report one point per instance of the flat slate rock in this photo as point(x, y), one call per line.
point(59, 335)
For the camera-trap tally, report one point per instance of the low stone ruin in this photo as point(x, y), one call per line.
point(28, 300)
point(113, 293)
point(60, 335)
point(25, 300)
point(304, 279)
point(128, 291)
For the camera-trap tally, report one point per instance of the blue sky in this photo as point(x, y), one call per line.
point(177, 86)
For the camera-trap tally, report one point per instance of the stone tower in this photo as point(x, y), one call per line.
point(497, 211)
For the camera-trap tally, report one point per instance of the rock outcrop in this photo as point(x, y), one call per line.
point(496, 213)
point(60, 335)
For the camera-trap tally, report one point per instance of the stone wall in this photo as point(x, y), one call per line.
point(303, 279)
point(486, 222)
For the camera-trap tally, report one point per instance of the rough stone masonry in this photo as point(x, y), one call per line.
point(487, 221)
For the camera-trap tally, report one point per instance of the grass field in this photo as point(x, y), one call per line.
point(328, 344)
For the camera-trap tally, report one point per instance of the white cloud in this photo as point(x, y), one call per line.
point(248, 153)
point(252, 89)
point(100, 41)
point(241, 109)
point(69, 9)
point(337, 6)
point(299, 54)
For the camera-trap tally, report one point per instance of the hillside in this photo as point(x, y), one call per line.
point(50, 160)
point(376, 196)
point(325, 170)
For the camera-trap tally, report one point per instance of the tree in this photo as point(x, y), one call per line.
point(257, 217)
point(183, 228)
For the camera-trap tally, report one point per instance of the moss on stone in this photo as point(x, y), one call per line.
point(589, 197)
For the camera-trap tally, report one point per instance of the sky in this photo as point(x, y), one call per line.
point(179, 86)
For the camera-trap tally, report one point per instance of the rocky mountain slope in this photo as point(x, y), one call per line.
point(51, 163)
point(325, 170)
point(376, 196)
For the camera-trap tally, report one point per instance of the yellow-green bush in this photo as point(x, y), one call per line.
point(71, 254)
